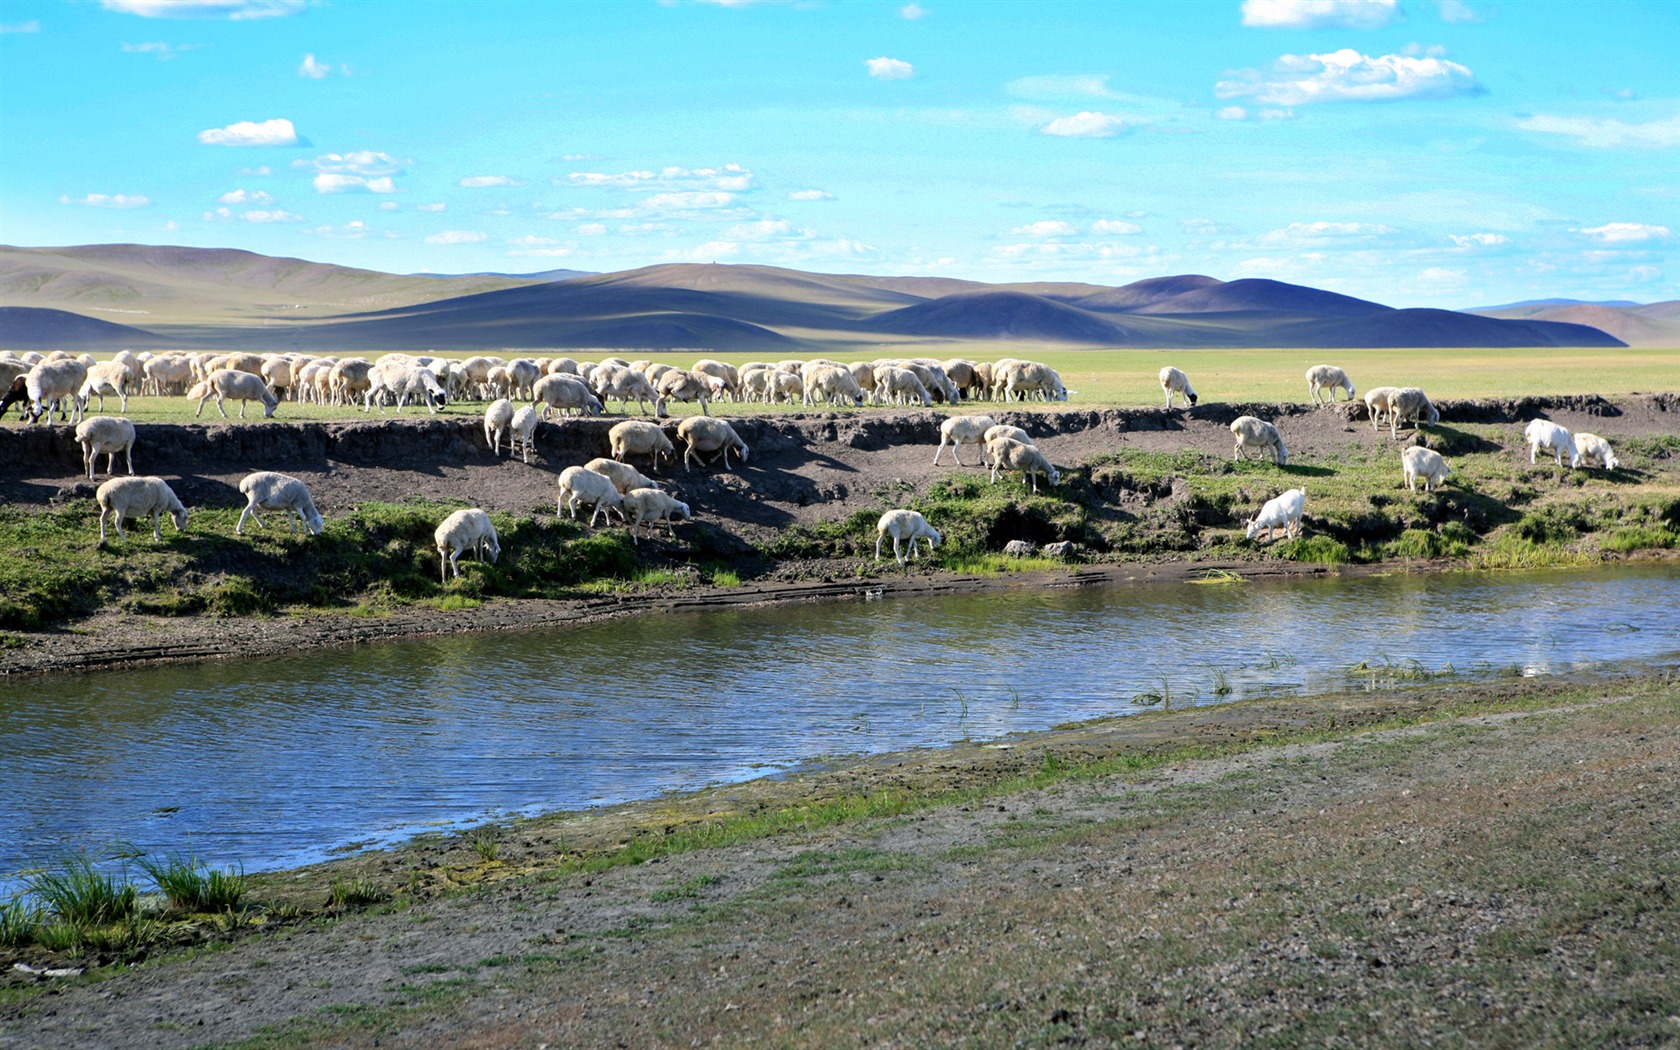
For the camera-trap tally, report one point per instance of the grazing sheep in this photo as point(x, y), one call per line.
point(524, 373)
point(1328, 378)
point(961, 374)
point(582, 485)
point(679, 384)
point(107, 434)
point(224, 383)
point(137, 498)
point(904, 525)
point(107, 377)
point(1419, 462)
point(349, 379)
point(1379, 402)
point(1544, 434)
point(268, 490)
point(650, 506)
point(1410, 403)
point(525, 423)
point(1281, 512)
point(623, 476)
point(166, 374)
point(703, 434)
point(780, 386)
point(834, 384)
point(623, 385)
point(567, 393)
point(404, 380)
point(1029, 379)
point(1009, 454)
point(55, 382)
point(755, 384)
point(1257, 433)
point(995, 433)
point(635, 437)
point(466, 530)
point(1593, 447)
point(1175, 382)
point(498, 415)
point(725, 373)
point(958, 431)
point(900, 386)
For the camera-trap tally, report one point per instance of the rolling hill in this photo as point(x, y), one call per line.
point(1649, 324)
point(194, 297)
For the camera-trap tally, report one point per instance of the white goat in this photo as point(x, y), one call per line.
point(904, 525)
point(466, 530)
point(138, 498)
point(1593, 447)
point(1327, 378)
point(1419, 462)
point(650, 506)
point(107, 434)
point(582, 485)
point(1280, 512)
point(1175, 382)
point(269, 490)
point(1544, 434)
point(957, 431)
point(1252, 432)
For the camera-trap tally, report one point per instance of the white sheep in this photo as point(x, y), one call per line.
point(226, 383)
point(958, 431)
point(1280, 512)
point(900, 386)
point(679, 384)
point(137, 498)
point(582, 485)
point(1009, 454)
point(1379, 402)
point(1593, 447)
point(1544, 434)
point(704, 434)
point(636, 437)
point(650, 506)
point(269, 490)
point(466, 530)
point(107, 434)
point(498, 415)
point(567, 393)
point(525, 422)
point(904, 525)
point(1326, 379)
point(783, 386)
point(1410, 403)
point(1022, 380)
point(624, 385)
point(1174, 382)
point(404, 380)
point(833, 384)
point(1252, 432)
point(56, 382)
point(623, 476)
point(1419, 462)
point(107, 377)
point(1004, 430)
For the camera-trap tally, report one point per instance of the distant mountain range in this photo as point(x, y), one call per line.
point(105, 296)
point(1636, 324)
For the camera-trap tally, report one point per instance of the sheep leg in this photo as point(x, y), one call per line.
point(897, 553)
point(219, 407)
point(879, 536)
point(249, 511)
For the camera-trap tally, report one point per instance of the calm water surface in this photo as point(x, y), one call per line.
point(276, 762)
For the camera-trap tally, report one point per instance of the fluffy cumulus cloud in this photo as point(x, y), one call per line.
point(1115, 227)
point(1602, 133)
point(1087, 125)
point(243, 196)
point(438, 206)
point(889, 68)
point(234, 10)
point(475, 182)
point(1349, 76)
point(1442, 277)
point(255, 215)
point(354, 230)
point(457, 237)
point(312, 69)
point(730, 178)
point(1319, 14)
point(912, 12)
point(109, 200)
point(1264, 113)
point(1045, 228)
point(276, 132)
point(810, 195)
point(765, 230)
point(1626, 233)
point(1478, 240)
point(331, 182)
point(358, 162)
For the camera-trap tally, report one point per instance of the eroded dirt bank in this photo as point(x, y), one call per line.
point(804, 469)
point(1499, 870)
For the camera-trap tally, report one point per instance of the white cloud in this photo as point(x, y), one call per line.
point(112, 200)
point(475, 182)
point(439, 206)
point(242, 196)
point(276, 132)
point(359, 162)
point(688, 201)
point(810, 195)
point(1230, 113)
point(389, 206)
point(1442, 276)
point(234, 10)
point(1348, 76)
point(764, 230)
point(1202, 227)
point(889, 68)
point(1319, 14)
point(1598, 133)
point(1318, 233)
point(1045, 228)
point(1086, 85)
point(312, 69)
point(163, 51)
point(261, 169)
point(1456, 12)
point(912, 11)
point(1478, 240)
point(592, 229)
point(1115, 226)
point(1626, 233)
point(457, 237)
point(573, 158)
point(349, 231)
point(259, 215)
point(732, 178)
point(31, 26)
point(330, 182)
point(1088, 125)
point(1240, 113)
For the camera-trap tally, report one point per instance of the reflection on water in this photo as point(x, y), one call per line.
point(273, 762)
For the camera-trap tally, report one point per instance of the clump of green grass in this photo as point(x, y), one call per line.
point(19, 918)
point(1317, 549)
point(354, 893)
point(1640, 537)
point(76, 893)
point(193, 886)
point(487, 844)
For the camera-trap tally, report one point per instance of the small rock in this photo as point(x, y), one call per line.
point(1020, 548)
point(1063, 549)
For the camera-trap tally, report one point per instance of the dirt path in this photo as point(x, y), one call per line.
point(1499, 878)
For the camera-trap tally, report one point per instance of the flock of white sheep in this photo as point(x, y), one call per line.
point(65, 384)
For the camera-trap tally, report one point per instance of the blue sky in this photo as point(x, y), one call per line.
point(1417, 153)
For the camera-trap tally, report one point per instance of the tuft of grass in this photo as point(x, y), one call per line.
point(354, 893)
point(690, 890)
point(487, 844)
point(1318, 550)
point(19, 918)
point(77, 894)
point(193, 886)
